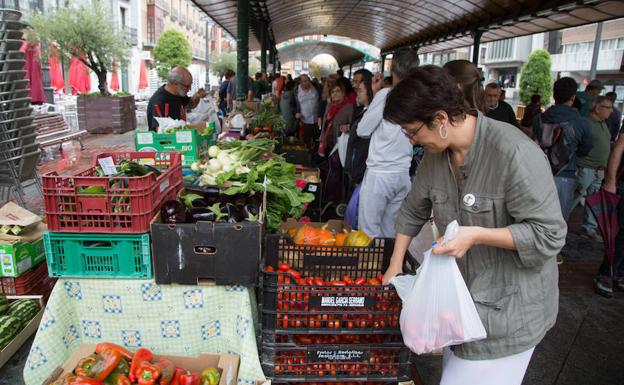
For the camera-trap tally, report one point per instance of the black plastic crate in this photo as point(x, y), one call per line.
point(292, 305)
point(336, 362)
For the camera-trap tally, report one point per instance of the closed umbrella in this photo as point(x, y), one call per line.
point(32, 66)
point(604, 205)
point(143, 83)
point(114, 84)
point(56, 71)
point(79, 77)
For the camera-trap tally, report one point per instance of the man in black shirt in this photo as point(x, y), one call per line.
point(171, 99)
point(497, 109)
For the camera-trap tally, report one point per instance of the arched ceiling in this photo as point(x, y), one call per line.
point(428, 24)
point(309, 49)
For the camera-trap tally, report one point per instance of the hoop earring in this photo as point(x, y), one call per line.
point(445, 135)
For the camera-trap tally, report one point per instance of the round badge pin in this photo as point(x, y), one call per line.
point(469, 200)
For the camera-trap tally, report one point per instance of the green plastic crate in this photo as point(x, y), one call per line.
point(187, 142)
point(98, 255)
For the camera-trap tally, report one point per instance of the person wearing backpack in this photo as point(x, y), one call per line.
point(577, 139)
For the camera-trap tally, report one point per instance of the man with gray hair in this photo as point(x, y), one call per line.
point(591, 168)
point(171, 99)
point(386, 181)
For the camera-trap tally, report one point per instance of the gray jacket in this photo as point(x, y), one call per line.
point(515, 292)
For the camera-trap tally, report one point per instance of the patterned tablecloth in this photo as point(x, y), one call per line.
point(171, 319)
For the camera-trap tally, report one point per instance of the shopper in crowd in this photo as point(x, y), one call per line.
point(171, 99)
point(231, 91)
point(307, 99)
point(340, 73)
point(502, 97)
point(580, 143)
point(591, 166)
point(583, 99)
point(467, 75)
point(387, 82)
point(614, 122)
point(386, 182)
point(260, 86)
point(496, 108)
point(511, 231)
point(289, 78)
point(288, 106)
point(612, 274)
point(223, 104)
point(338, 113)
point(328, 85)
point(357, 149)
point(278, 87)
point(349, 91)
point(530, 112)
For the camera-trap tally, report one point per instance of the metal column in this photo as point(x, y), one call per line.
point(242, 50)
point(207, 85)
point(383, 64)
point(594, 62)
point(476, 47)
point(263, 48)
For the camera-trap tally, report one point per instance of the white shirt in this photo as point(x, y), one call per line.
point(308, 103)
point(390, 151)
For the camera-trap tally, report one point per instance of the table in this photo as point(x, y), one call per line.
point(171, 319)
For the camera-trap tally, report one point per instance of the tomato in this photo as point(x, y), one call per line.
point(303, 340)
point(283, 267)
point(270, 269)
point(347, 280)
point(300, 281)
point(309, 281)
point(374, 282)
point(318, 281)
point(380, 277)
point(339, 283)
point(295, 274)
point(360, 281)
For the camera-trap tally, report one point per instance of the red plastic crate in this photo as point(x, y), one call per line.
point(26, 283)
point(128, 203)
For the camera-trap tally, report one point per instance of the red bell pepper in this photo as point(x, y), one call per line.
point(190, 378)
point(176, 377)
point(141, 356)
point(125, 353)
point(167, 370)
point(98, 366)
point(72, 379)
point(147, 374)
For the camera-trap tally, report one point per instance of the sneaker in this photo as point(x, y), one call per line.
point(559, 259)
point(618, 283)
point(603, 286)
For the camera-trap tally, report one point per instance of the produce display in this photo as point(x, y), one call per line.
point(211, 206)
point(267, 122)
point(309, 235)
point(247, 168)
point(14, 316)
point(125, 168)
point(112, 364)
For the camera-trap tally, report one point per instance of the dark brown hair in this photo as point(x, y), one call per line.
point(468, 77)
point(421, 95)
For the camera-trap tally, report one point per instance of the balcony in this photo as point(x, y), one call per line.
point(162, 4)
point(131, 35)
point(608, 60)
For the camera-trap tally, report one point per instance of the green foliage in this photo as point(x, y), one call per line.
point(222, 62)
point(254, 66)
point(83, 31)
point(536, 77)
point(172, 50)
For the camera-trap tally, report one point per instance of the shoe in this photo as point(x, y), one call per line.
point(559, 259)
point(618, 283)
point(603, 286)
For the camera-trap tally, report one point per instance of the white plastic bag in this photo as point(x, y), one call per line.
point(341, 146)
point(438, 309)
point(202, 111)
point(167, 123)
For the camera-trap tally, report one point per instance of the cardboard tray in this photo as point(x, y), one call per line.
point(227, 363)
point(30, 329)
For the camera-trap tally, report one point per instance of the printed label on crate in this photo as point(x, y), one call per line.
point(310, 260)
point(108, 166)
point(319, 301)
point(164, 185)
point(338, 355)
point(145, 138)
point(184, 136)
point(312, 188)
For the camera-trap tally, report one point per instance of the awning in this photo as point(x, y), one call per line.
point(431, 25)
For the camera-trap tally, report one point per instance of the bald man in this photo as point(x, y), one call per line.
point(171, 99)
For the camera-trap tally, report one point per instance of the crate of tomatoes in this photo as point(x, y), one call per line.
point(313, 285)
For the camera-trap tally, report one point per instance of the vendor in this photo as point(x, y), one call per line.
point(499, 186)
point(171, 99)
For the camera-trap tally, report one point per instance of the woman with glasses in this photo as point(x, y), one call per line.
point(498, 185)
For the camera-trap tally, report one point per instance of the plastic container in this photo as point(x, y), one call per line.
point(121, 205)
point(98, 255)
point(292, 306)
point(189, 143)
point(25, 284)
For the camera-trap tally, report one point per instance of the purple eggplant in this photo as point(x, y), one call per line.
point(173, 212)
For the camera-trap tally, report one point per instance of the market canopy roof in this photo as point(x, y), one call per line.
point(308, 49)
point(431, 25)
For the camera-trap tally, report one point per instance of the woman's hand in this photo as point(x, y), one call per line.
point(377, 82)
point(457, 247)
point(391, 272)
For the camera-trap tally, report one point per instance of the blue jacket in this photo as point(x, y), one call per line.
point(582, 143)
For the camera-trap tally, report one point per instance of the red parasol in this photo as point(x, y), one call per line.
point(114, 84)
point(603, 205)
point(79, 77)
point(56, 72)
point(143, 83)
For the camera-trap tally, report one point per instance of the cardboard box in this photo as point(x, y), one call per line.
point(227, 363)
point(18, 254)
point(189, 143)
point(22, 337)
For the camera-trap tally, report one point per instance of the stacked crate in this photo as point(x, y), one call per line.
point(100, 224)
point(326, 318)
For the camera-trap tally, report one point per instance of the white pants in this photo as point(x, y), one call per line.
point(500, 371)
point(381, 196)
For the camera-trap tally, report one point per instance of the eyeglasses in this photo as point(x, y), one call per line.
point(606, 107)
point(187, 86)
point(412, 135)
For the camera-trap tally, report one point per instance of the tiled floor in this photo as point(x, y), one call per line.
point(585, 347)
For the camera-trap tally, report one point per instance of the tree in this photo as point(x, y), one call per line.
point(222, 62)
point(172, 50)
point(84, 32)
point(536, 77)
point(254, 66)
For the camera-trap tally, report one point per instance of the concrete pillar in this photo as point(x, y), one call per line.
point(594, 62)
point(242, 50)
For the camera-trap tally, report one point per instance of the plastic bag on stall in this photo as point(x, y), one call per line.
point(438, 309)
point(202, 111)
point(167, 125)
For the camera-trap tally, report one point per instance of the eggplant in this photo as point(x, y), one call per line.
point(199, 203)
point(251, 212)
point(232, 213)
point(253, 200)
point(201, 214)
point(173, 212)
point(210, 192)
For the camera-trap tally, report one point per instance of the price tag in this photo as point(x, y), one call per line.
point(312, 188)
point(108, 166)
point(184, 136)
point(145, 138)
